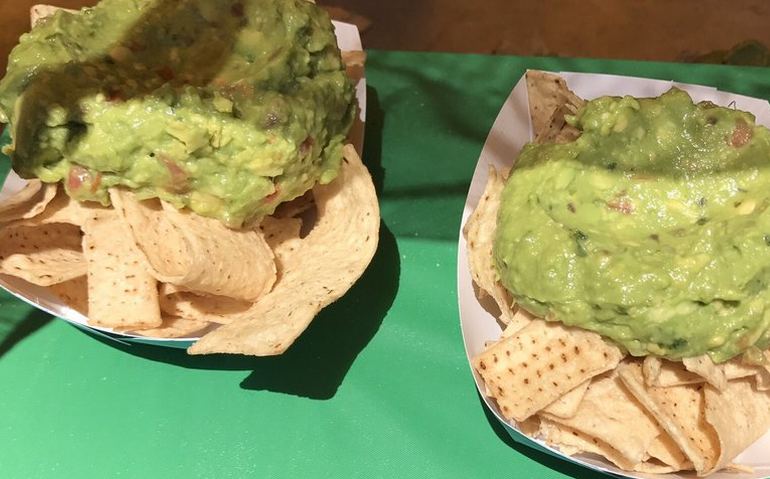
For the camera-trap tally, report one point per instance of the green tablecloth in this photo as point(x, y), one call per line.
point(377, 387)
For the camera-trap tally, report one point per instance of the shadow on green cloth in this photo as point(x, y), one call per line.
point(316, 364)
point(561, 466)
point(13, 331)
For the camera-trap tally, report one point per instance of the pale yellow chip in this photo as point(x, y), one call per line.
point(736, 369)
point(479, 234)
point(325, 264)
point(198, 307)
point(663, 373)
point(740, 415)
point(606, 413)
point(73, 293)
point(567, 405)
point(665, 450)
point(122, 294)
point(526, 372)
point(282, 235)
point(704, 367)
point(570, 442)
point(41, 254)
point(550, 100)
point(680, 411)
point(28, 202)
point(196, 253)
point(63, 209)
point(173, 327)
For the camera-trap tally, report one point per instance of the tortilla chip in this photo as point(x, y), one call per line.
point(122, 294)
point(480, 233)
point(567, 405)
point(28, 202)
point(704, 367)
point(570, 442)
point(665, 450)
point(294, 208)
point(542, 362)
point(324, 265)
point(663, 373)
point(282, 235)
point(201, 308)
point(41, 254)
point(197, 253)
point(63, 209)
point(550, 100)
point(606, 412)
point(736, 369)
point(739, 414)
point(173, 327)
point(40, 12)
point(762, 380)
point(73, 293)
point(353, 58)
point(680, 411)
point(520, 318)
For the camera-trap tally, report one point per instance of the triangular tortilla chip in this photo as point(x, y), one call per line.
point(73, 293)
point(202, 308)
point(607, 412)
point(663, 373)
point(479, 233)
point(173, 327)
point(28, 202)
point(545, 360)
point(199, 254)
point(324, 265)
point(570, 442)
point(704, 367)
point(549, 101)
point(665, 450)
point(680, 412)
point(63, 209)
point(567, 406)
point(41, 254)
point(740, 415)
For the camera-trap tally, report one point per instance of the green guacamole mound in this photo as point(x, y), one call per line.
point(652, 228)
point(228, 108)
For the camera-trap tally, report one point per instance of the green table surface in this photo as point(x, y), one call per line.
point(378, 386)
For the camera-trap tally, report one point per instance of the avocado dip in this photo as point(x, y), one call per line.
point(225, 107)
point(652, 228)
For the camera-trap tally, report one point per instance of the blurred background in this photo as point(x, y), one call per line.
point(711, 31)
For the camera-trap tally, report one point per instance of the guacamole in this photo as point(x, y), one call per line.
point(652, 228)
point(227, 108)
